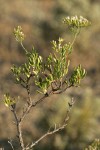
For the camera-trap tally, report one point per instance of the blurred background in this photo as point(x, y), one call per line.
point(41, 21)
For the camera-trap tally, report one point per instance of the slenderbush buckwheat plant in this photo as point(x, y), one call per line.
point(49, 76)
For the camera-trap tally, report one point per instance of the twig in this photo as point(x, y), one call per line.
point(63, 90)
point(46, 134)
point(10, 142)
point(61, 127)
point(30, 106)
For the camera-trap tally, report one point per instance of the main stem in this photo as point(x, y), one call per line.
point(19, 131)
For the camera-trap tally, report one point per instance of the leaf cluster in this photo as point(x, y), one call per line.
point(8, 101)
point(78, 74)
point(54, 71)
point(29, 69)
point(94, 146)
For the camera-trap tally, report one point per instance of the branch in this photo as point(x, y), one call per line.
point(56, 129)
point(10, 142)
point(19, 130)
point(46, 134)
point(40, 100)
point(30, 106)
point(62, 90)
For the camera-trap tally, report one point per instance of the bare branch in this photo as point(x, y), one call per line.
point(10, 142)
point(47, 134)
point(55, 129)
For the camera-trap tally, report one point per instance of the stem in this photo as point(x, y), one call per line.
point(10, 142)
point(55, 129)
point(23, 47)
point(45, 135)
point(76, 34)
point(42, 99)
point(19, 130)
point(25, 112)
point(30, 106)
point(28, 90)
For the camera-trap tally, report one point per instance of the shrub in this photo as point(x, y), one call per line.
point(50, 77)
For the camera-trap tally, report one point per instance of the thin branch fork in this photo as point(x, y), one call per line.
point(28, 108)
point(31, 104)
point(47, 134)
point(18, 121)
point(40, 100)
point(56, 129)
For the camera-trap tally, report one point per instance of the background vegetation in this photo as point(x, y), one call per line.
point(41, 22)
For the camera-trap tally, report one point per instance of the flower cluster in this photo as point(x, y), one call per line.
point(19, 35)
point(75, 21)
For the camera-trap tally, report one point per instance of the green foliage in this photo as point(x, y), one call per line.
point(29, 69)
point(86, 46)
point(8, 101)
point(56, 66)
point(49, 76)
point(78, 74)
point(57, 63)
point(94, 146)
